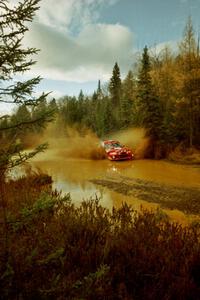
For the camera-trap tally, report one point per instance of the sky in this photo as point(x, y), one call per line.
point(80, 40)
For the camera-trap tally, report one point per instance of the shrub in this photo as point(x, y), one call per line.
point(52, 249)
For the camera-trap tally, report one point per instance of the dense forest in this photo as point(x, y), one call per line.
point(161, 94)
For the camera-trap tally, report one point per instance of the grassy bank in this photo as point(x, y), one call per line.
point(51, 249)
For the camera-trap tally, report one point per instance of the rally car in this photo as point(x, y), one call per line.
point(116, 151)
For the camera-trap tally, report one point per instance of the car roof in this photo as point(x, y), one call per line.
point(110, 142)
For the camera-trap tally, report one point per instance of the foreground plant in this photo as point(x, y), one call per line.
point(59, 251)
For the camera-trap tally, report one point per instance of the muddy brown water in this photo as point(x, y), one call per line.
point(85, 178)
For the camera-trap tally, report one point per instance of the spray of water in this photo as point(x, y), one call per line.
point(70, 143)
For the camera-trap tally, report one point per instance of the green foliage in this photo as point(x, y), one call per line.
point(16, 59)
point(148, 101)
point(115, 85)
point(104, 111)
point(44, 203)
point(127, 105)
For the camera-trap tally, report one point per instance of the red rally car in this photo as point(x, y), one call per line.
point(116, 151)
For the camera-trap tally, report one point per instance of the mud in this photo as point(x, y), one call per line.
point(186, 200)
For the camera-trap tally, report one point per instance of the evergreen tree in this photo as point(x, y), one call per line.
point(71, 115)
point(127, 102)
point(22, 115)
point(53, 105)
point(148, 102)
point(163, 75)
point(14, 59)
point(108, 117)
point(81, 96)
point(81, 107)
point(115, 88)
point(99, 118)
point(38, 112)
point(99, 91)
point(104, 117)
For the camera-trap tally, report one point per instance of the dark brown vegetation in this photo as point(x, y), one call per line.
point(51, 249)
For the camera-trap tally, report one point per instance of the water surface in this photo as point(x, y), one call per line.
point(74, 175)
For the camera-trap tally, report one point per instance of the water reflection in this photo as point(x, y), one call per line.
point(73, 176)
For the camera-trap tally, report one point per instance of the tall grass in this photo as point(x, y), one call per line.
point(59, 251)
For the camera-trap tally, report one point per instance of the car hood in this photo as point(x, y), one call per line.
point(119, 150)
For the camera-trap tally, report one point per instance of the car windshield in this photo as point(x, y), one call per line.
point(113, 145)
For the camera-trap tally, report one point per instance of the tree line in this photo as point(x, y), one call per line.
point(161, 94)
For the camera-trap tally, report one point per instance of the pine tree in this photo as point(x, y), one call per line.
point(163, 75)
point(127, 102)
point(53, 105)
point(22, 115)
point(99, 91)
point(115, 85)
point(115, 90)
point(148, 102)
point(81, 110)
point(14, 59)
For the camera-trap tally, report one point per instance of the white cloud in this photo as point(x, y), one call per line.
point(88, 56)
point(74, 46)
point(70, 14)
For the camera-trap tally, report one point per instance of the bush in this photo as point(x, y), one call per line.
point(52, 249)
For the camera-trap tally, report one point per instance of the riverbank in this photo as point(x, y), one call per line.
point(186, 200)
